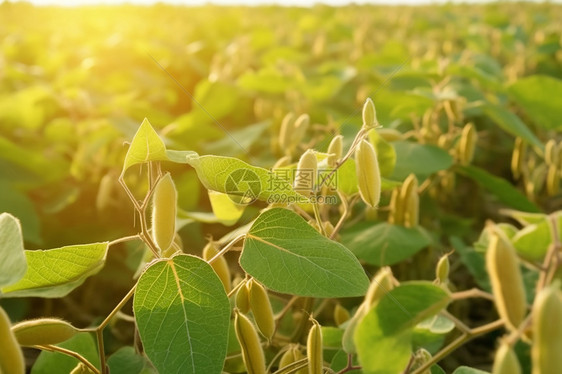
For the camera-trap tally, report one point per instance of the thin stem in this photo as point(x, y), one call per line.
point(99, 329)
point(286, 308)
point(473, 292)
point(78, 356)
point(226, 248)
point(349, 366)
point(344, 215)
point(124, 239)
point(458, 323)
point(473, 333)
point(318, 218)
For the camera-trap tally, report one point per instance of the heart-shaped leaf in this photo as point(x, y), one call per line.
point(286, 254)
point(182, 314)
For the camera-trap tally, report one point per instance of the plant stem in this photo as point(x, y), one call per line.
point(471, 334)
point(226, 248)
point(99, 329)
point(78, 356)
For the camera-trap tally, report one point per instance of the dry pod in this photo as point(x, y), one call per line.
point(368, 173)
point(369, 114)
point(164, 202)
point(11, 356)
point(505, 361)
point(261, 309)
point(252, 352)
point(43, 331)
point(305, 178)
point(314, 351)
point(341, 315)
point(546, 352)
point(502, 265)
point(467, 144)
point(243, 298)
point(220, 265)
point(335, 150)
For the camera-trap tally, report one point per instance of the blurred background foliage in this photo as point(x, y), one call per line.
point(75, 83)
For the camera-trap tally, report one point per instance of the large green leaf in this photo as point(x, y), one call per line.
point(56, 272)
point(539, 96)
point(13, 265)
point(499, 187)
point(511, 123)
point(146, 146)
point(420, 159)
point(287, 255)
point(385, 243)
point(383, 337)
point(182, 314)
point(242, 181)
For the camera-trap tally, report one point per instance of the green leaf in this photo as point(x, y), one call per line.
point(532, 241)
point(383, 337)
point(539, 96)
point(385, 243)
point(58, 363)
point(386, 155)
point(499, 187)
point(511, 123)
point(242, 181)
point(286, 254)
point(420, 159)
point(13, 264)
point(226, 211)
point(182, 314)
point(331, 337)
point(56, 272)
point(146, 146)
point(127, 361)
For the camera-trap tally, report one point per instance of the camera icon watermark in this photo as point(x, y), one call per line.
point(244, 186)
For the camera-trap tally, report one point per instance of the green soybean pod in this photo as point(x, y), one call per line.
point(11, 356)
point(546, 351)
point(368, 173)
point(43, 331)
point(314, 351)
point(164, 205)
point(252, 352)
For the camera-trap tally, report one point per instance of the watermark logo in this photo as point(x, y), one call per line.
point(243, 186)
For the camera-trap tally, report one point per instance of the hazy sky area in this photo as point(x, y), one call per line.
point(259, 2)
